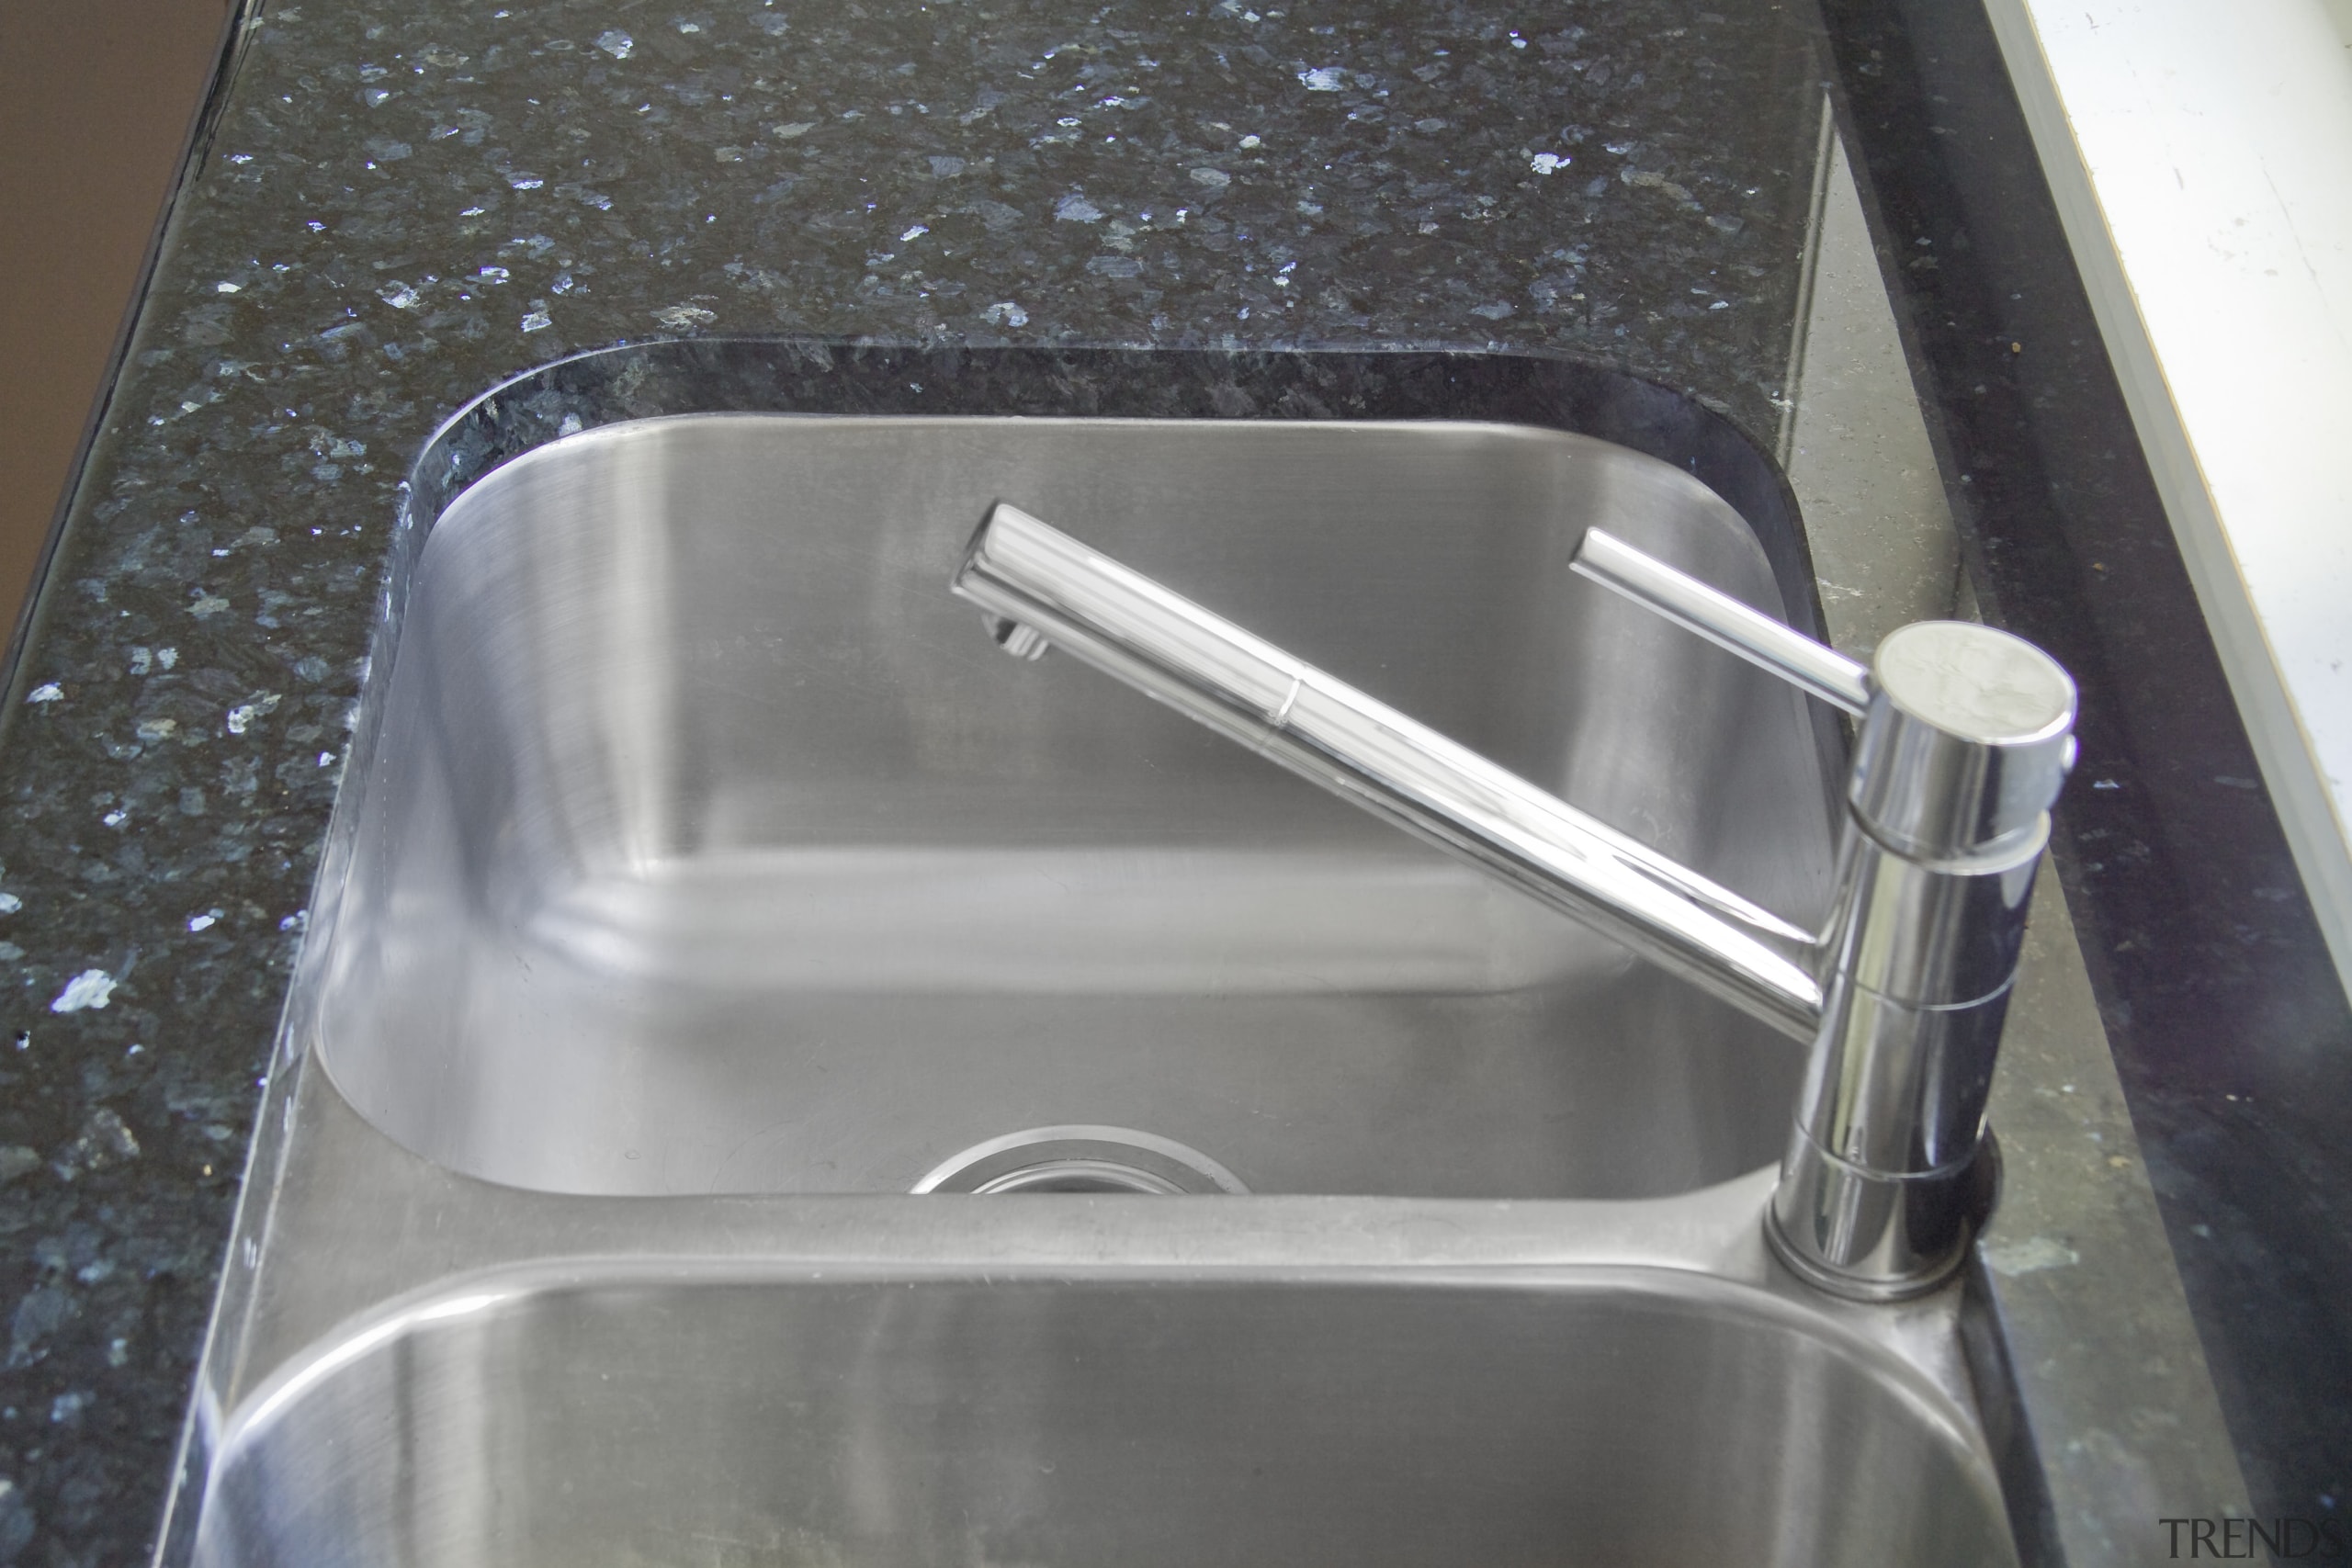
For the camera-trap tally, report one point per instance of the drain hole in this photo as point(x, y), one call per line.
point(1081, 1159)
point(1077, 1176)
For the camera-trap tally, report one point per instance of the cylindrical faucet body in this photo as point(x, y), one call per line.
point(1874, 1197)
point(1967, 737)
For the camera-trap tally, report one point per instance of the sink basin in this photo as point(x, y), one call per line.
point(699, 841)
point(712, 912)
point(1618, 1417)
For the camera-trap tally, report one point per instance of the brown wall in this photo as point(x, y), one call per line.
point(96, 100)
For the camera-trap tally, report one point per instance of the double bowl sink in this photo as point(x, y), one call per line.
point(716, 928)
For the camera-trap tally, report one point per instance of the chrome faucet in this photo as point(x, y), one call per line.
point(1966, 736)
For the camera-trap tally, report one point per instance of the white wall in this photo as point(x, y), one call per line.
point(2201, 154)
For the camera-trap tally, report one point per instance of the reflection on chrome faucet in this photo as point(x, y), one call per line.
point(1966, 736)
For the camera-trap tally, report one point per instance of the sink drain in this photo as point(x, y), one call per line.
point(1080, 1159)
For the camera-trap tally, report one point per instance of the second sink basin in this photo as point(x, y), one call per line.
point(1636, 1419)
point(704, 843)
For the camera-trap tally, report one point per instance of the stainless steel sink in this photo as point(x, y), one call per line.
point(706, 882)
point(707, 844)
point(736, 1416)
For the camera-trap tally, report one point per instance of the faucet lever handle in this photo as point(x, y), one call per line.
point(1814, 667)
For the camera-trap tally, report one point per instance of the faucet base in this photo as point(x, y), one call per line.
point(1870, 1236)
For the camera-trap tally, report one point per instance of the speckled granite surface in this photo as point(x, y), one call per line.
point(397, 207)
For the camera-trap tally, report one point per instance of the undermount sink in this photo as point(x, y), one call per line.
point(1622, 1417)
point(706, 845)
point(714, 919)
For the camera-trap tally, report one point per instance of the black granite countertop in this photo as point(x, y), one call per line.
point(391, 209)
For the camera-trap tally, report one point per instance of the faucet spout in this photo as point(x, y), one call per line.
point(1029, 575)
